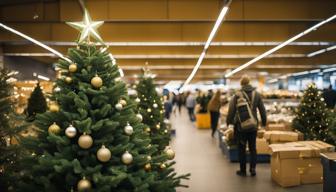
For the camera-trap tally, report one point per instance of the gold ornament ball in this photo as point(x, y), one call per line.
point(54, 107)
point(68, 79)
point(149, 158)
point(73, 68)
point(149, 110)
point(123, 102)
point(163, 166)
point(158, 126)
point(137, 100)
point(54, 129)
point(147, 130)
point(85, 141)
point(127, 158)
point(83, 185)
point(96, 82)
point(148, 167)
point(103, 154)
point(71, 131)
point(170, 153)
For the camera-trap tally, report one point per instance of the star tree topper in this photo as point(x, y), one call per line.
point(88, 28)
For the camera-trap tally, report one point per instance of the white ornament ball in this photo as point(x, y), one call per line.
point(71, 131)
point(103, 154)
point(139, 117)
point(155, 105)
point(85, 141)
point(137, 100)
point(128, 129)
point(119, 106)
point(123, 102)
point(127, 158)
point(149, 110)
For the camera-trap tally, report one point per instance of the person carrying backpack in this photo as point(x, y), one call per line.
point(242, 115)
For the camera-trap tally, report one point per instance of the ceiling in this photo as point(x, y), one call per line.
point(170, 34)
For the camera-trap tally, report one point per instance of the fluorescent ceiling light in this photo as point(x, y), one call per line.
point(280, 46)
point(43, 77)
point(35, 41)
point(321, 51)
point(329, 70)
point(215, 28)
point(221, 67)
point(175, 44)
point(273, 81)
point(225, 56)
point(207, 44)
point(30, 54)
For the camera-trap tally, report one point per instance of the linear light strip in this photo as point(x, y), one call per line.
point(207, 44)
point(140, 44)
point(279, 46)
point(35, 41)
point(172, 67)
point(227, 56)
point(321, 51)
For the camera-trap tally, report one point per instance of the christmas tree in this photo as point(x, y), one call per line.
point(151, 108)
point(312, 116)
point(36, 103)
point(94, 141)
point(9, 132)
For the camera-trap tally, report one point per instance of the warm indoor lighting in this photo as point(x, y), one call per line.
point(279, 46)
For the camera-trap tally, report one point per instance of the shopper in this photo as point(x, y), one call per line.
point(168, 107)
point(213, 107)
point(179, 101)
point(329, 96)
point(190, 104)
point(253, 102)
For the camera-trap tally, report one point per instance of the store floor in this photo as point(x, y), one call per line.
point(197, 153)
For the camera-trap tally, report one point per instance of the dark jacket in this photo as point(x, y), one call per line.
point(257, 104)
point(329, 96)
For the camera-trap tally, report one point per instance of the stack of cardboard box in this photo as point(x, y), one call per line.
point(298, 163)
point(282, 136)
point(284, 126)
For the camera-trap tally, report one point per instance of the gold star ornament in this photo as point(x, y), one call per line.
point(88, 28)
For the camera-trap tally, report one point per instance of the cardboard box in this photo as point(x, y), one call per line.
point(279, 127)
point(262, 146)
point(261, 133)
point(228, 134)
point(282, 136)
point(297, 163)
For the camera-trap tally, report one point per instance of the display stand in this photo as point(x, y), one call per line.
point(329, 171)
point(231, 152)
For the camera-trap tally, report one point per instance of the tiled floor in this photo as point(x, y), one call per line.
point(197, 153)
